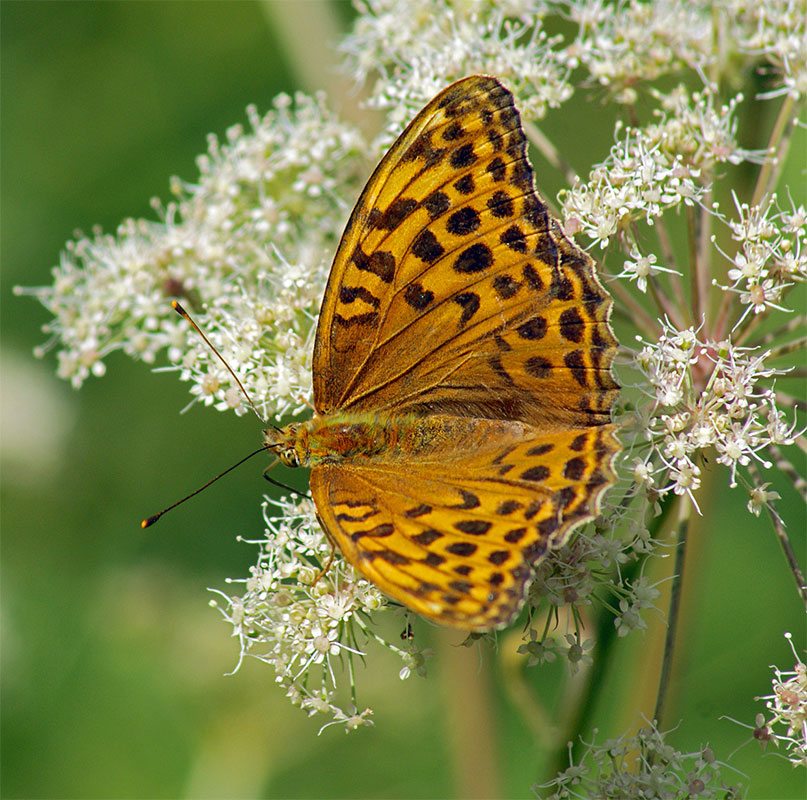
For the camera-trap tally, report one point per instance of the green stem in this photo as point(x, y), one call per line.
point(607, 644)
point(664, 305)
point(786, 467)
point(550, 152)
point(705, 250)
point(784, 541)
point(472, 742)
point(778, 145)
point(684, 515)
point(694, 270)
point(722, 316)
point(794, 324)
point(643, 321)
point(790, 401)
point(668, 254)
point(790, 556)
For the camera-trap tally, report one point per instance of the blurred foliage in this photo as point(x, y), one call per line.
point(113, 665)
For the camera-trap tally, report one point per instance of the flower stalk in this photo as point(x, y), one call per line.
point(685, 506)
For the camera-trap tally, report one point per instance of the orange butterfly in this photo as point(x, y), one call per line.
point(462, 380)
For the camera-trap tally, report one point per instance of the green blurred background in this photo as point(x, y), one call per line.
point(113, 664)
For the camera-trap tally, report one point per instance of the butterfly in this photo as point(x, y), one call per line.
point(461, 371)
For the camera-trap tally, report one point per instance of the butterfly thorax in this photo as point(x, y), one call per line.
point(386, 438)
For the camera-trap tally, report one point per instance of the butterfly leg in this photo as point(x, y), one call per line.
point(283, 485)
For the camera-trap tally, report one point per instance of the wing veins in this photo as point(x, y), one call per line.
point(431, 354)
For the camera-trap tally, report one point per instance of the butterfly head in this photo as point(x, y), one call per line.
point(289, 444)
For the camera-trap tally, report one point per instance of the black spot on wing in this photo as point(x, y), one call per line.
point(497, 169)
point(533, 329)
point(505, 287)
point(418, 297)
point(538, 367)
point(397, 212)
point(462, 548)
point(572, 325)
point(465, 185)
point(380, 263)
point(476, 258)
point(574, 361)
point(536, 473)
point(348, 294)
point(436, 204)
point(574, 469)
point(462, 222)
point(514, 238)
point(463, 156)
point(417, 511)
point(470, 305)
point(473, 527)
point(427, 537)
point(501, 205)
point(426, 247)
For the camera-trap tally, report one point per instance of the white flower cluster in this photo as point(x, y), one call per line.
point(246, 248)
point(628, 43)
point(771, 255)
point(623, 45)
point(581, 573)
point(707, 394)
point(656, 167)
point(640, 766)
point(787, 704)
point(777, 31)
point(420, 46)
point(306, 623)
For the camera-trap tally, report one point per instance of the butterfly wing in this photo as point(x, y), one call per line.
point(453, 291)
point(454, 539)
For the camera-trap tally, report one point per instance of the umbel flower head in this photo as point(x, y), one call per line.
point(786, 722)
point(705, 278)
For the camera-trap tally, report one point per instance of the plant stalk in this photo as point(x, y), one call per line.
point(684, 515)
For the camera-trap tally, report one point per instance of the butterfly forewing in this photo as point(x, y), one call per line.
point(451, 279)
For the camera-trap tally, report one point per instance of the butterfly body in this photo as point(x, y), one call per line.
point(461, 371)
point(369, 438)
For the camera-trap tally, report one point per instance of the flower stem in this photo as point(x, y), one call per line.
point(777, 151)
point(668, 254)
point(471, 727)
point(784, 541)
point(550, 152)
point(695, 268)
point(795, 324)
point(790, 556)
point(684, 514)
point(643, 321)
point(786, 467)
point(704, 251)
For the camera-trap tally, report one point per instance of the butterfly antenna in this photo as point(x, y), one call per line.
point(149, 521)
point(185, 315)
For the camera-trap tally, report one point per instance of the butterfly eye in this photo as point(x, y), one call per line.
point(290, 458)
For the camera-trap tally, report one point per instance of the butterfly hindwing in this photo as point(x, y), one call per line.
point(453, 538)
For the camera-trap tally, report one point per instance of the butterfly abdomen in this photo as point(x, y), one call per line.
point(357, 438)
